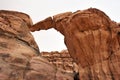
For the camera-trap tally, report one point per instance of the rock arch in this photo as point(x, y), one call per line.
point(92, 40)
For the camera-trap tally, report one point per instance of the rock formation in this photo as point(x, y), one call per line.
point(62, 60)
point(92, 39)
point(19, 53)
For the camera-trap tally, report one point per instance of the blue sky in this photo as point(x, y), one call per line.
point(52, 40)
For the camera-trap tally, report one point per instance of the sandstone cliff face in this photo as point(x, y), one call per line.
point(92, 39)
point(40, 69)
point(17, 46)
point(19, 59)
point(62, 60)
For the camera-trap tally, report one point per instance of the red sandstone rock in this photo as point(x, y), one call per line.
point(17, 46)
point(41, 69)
point(62, 60)
point(93, 41)
point(26, 18)
point(14, 24)
point(19, 59)
point(44, 24)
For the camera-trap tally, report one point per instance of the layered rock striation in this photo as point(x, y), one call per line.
point(17, 46)
point(92, 39)
point(19, 53)
point(62, 60)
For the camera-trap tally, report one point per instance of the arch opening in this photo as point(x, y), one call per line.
point(49, 40)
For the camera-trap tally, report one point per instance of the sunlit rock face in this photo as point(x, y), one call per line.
point(19, 53)
point(92, 39)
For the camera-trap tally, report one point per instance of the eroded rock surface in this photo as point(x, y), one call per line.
point(41, 69)
point(92, 39)
point(61, 60)
point(17, 46)
point(19, 59)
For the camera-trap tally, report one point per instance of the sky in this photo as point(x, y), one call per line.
point(51, 40)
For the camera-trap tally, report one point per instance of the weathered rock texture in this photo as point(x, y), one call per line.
point(17, 46)
point(19, 58)
point(92, 39)
point(40, 69)
point(62, 60)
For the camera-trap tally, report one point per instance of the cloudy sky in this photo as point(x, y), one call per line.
point(52, 40)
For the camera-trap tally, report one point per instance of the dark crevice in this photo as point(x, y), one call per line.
point(76, 75)
point(118, 33)
point(37, 51)
point(118, 37)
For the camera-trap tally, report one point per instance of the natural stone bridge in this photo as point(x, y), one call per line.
point(92, 39)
